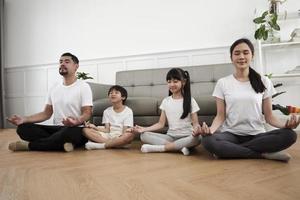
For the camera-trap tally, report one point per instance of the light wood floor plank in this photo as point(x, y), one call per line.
point(129, 174)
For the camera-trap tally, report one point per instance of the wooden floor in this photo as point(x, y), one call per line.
point(130, 174)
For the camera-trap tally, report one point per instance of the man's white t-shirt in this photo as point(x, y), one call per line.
point(68, 100)
point(118, 120)
point(243, 105)
point(174, 109)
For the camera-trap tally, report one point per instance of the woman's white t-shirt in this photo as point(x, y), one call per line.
point(174, 109)
point(243, 105)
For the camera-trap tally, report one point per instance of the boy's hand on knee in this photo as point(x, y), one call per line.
point(89, 125)
point(130, 130)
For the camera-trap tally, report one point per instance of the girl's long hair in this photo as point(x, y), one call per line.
point(183, 76)
point(254, 77)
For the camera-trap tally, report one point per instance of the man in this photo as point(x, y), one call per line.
point(70, 102)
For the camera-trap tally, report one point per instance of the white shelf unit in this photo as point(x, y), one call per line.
point(281, 49)
point(269, 54)
point(279, 44)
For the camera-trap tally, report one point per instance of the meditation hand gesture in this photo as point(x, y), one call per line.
point(204, 130)
point(293, 122)
point(16, 120)
point(89, 125)
point(138, 129)
point(196, 130)
point(71, 121)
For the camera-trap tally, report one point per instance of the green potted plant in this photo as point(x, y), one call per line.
point(83, 76)
point(267, 27)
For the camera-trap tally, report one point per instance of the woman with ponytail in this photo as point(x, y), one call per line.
point(244, 104)
point(180, 110)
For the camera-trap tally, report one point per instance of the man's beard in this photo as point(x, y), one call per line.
point(63, 71)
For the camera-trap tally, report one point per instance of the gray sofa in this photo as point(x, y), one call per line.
point(146, 89)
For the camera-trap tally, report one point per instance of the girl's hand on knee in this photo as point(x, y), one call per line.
point(196, 130)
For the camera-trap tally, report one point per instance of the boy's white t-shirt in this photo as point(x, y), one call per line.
point(174, 109)
point(243, 105)
point(118, 120)
point(68, 100)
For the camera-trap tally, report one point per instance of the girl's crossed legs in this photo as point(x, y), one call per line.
point(156, 142)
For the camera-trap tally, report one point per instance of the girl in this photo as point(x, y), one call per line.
point(244, 100)
point(180, 109)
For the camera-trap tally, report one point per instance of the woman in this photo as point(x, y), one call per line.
point(244, 102)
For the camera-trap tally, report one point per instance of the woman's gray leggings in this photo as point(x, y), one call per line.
point(162, 139)
point(228, 145)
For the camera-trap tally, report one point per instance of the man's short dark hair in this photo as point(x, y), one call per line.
point(73, 57)
point(119, 88)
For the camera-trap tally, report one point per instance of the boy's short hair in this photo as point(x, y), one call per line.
point(119, 88)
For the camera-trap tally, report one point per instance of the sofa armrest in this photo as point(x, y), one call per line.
point(99, 90)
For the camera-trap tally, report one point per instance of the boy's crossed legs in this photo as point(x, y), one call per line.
point(101, 140)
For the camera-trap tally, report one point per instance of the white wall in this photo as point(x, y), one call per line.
point(37, 31)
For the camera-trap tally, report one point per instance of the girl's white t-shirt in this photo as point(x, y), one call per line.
point(174, 109)
point(243, 105)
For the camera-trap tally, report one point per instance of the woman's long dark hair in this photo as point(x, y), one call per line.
point(181, 75)
point(254, 77)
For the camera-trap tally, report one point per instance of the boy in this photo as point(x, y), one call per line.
point(117, 119)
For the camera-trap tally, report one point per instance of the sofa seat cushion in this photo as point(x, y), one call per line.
point(99, 106)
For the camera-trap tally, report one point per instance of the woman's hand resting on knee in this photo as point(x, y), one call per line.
point(292, 122)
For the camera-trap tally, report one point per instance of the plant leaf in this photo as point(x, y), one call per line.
point(265, 34)
point(278, 85)
point(259, 20)
point(284, 110)
point(256, 34)
point(276, 27)
point(265, 14)
point(277, 94)
point(269, 75)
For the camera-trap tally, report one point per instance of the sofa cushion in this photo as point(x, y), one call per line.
point(99, 106)
point(143, 106)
